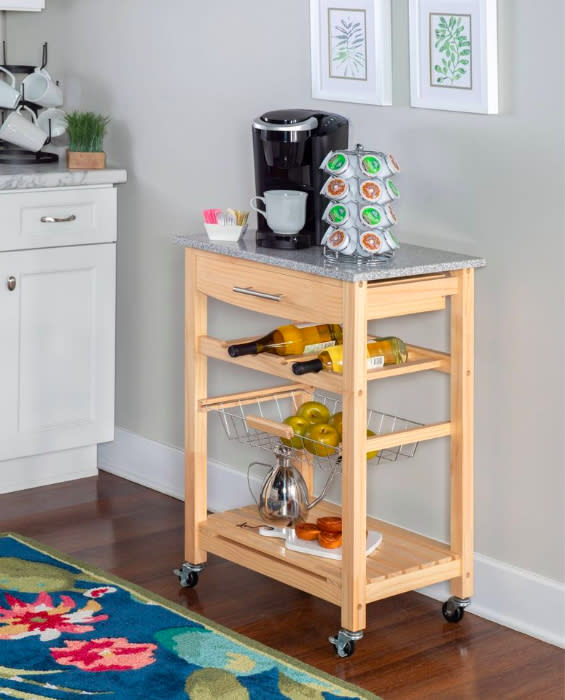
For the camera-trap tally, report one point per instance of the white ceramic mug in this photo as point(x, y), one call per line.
point(20, 131)
point(9, 96)
point(58, 120)
point(285, 210)
point(38, 87)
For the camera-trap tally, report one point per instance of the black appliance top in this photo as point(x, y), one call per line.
point(287, 116)
point(299, 120)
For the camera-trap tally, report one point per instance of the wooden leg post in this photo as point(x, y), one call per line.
point(462, 380)
point(354, 463)
point(196, 418)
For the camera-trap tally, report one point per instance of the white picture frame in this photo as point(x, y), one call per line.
point(454, 55)
point(351, 51)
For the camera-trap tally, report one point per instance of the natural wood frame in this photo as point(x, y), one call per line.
point(407, 561)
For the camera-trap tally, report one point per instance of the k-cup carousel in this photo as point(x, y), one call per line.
point(359, 214)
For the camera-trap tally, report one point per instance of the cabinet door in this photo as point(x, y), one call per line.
point(56, 348)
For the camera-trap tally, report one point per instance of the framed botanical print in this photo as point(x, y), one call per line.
point(351, 50)
point(453, 55)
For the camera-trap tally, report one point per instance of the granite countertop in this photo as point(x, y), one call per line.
point(408, 261)
point(22, 177)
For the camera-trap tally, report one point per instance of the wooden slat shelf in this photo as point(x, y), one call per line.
point(404, 560)
point(420, 360)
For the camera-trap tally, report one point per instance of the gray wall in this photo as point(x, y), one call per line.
point(182, 82)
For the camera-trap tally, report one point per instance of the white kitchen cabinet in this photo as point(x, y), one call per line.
point(57, 321)
point(27, 5)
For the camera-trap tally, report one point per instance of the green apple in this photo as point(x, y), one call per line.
point(373, 453)
point(314, 412)
point(326, 439)
point(299, 425)
point(337, 420)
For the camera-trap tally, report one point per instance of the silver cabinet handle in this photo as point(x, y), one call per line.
point(254, 293)
point(11, 283)
point(56, 219)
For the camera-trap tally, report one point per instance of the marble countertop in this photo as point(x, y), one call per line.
point(409, 260)
point(23, 177)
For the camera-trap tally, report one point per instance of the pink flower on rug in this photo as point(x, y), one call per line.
point(106, 654)
point(41, 618)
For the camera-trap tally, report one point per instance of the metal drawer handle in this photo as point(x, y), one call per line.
point(254, 293)
point(56, 219)
point(11, 284)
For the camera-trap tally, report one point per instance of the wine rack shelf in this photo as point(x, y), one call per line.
point(419, 360)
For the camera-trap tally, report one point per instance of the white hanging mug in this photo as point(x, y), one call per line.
point(9, 96)
point(38, 87)
point(20, 131)
point(285, 210)
point(58, 120)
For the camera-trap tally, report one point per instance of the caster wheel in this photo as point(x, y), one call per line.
point(189, 580)
point(188, 575)
point(344, 642)
point(347, 650)
point(451, 611)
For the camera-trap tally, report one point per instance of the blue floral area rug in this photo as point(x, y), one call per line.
point(69, 630)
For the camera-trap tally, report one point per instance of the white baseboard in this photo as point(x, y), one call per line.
point(50, 468)
point(505, 594)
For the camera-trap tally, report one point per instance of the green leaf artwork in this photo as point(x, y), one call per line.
point(348, 57)
point(452, 56)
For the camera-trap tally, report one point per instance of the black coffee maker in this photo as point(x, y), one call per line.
point(288, 147)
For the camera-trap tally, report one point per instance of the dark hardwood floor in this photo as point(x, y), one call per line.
point(408, 651)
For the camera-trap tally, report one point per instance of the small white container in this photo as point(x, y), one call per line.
point(217, 232)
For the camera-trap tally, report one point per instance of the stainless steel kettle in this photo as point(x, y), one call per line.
point(284, 495)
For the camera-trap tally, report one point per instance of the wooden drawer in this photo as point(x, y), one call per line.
point(412, 295)
point(57, 217)
point(293, 295)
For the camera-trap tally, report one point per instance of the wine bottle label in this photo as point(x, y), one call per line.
point(318, 347)
point(375, 362)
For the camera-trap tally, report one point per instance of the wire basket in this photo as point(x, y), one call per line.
point(239, 419)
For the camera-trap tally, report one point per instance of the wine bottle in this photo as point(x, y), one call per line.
point(380, 352)
point(292, 340)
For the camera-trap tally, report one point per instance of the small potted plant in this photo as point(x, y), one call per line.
point(86, 134)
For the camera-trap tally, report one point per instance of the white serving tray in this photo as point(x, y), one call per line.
point(295, 544)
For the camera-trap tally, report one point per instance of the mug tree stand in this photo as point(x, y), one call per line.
point(10, 154)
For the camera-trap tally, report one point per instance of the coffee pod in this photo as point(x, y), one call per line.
point(374, 191)
point(372, 243)
point(338, 163)
point(327, 234)
point(376, 216)
point(342, 241)
point(378, 165)
point(392, 189)
point(335, 188)
point(338, 214)
point(390, 239)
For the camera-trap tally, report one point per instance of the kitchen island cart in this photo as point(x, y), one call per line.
point(283, 284)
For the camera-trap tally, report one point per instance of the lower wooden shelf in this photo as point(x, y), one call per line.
point(403, 562)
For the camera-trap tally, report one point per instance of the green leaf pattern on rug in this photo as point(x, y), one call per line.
point(34, 577)
point(214, 684)
point(455, 47)
point(211, 650)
